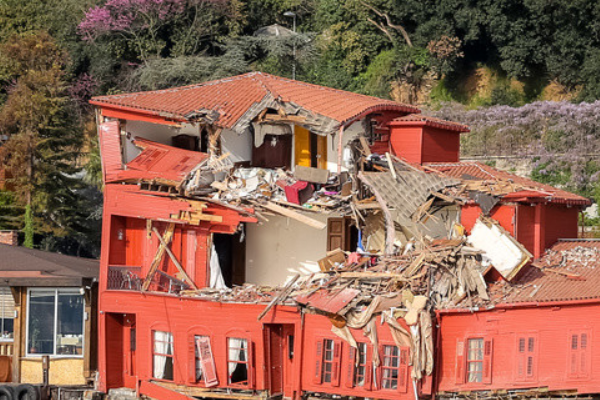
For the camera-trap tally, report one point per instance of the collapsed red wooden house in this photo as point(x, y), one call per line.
point(176, 235)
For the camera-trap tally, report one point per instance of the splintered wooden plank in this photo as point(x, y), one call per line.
point(160, 252)
point(174, 259)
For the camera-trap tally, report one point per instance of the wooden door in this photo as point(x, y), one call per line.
point(339, 234)
point(275, 357)
point(129, 351)
point(301, 146)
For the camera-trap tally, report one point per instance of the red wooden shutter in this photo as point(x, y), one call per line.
point(110, 147)
point(351, 366)
point(487, 360)
point(318, 361)
point(209, 371)
point(251, 370)
point(460, 362)
point(521, 358)
point(337, 361)
point(403, 370)
point(369, 368)
point(583, 349)
point(192, 359)
point(574, 346)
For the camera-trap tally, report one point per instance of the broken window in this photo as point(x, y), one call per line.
point(237, 361)
point(55, 322)
point(360, 370)
point(475, 360)
point(162, 355)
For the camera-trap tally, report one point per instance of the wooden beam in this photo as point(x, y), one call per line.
point(174, 259)
point(160, 252)
point(286, 212)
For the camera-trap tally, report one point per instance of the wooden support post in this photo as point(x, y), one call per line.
point(160, 252)
point(175, 261)
point(340, 150)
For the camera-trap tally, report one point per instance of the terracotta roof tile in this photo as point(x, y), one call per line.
point(569, 270)
point(530, 191)
point(233, 96)
point(430, 121)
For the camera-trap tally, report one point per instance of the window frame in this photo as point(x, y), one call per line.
point(153, 353)
point(401, 369)
point(249, 383)
point(6, 292)
point(319, 353)
point(461, 365)
point(469, 361)
point(56, 291)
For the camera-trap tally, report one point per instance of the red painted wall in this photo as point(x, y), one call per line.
point(184, 317)
point(406, 142)
point(551, 328)
point(440, 145)
point(503, 213)
point(561, 222)
point(422, 144)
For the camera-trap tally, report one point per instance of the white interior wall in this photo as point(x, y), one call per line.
point(350, 133)
point(239, 146)
point(155, 132)
point(281, 248)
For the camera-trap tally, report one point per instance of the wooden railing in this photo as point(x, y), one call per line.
point(129, 278)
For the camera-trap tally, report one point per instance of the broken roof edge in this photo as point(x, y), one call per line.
point(519, 304)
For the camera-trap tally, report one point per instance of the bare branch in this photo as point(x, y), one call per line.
point(389, 23)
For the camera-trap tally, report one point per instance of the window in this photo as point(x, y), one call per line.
point(579, 354)
point(162, 355)
point(237, 361)
point(526, 358)
point(394, 368)
point(328, 351)
point(475, 360)
point(55, 322)
point(360, 369)
point(327, 361)
point(202, 368)
point(7, 314)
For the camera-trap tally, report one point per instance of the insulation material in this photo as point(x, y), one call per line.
point(503, 251)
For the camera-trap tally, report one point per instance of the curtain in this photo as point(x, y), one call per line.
point(216, 277)
point(198, 360)
point(236, 352)
point(163, 344)
point(261, 130)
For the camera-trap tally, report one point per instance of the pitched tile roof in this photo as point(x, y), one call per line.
point(232, 97)
point(569, 270)
point(411, 119)
point(525, 189)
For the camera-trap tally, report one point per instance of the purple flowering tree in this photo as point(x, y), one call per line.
point(139, 22)
point(562, 138)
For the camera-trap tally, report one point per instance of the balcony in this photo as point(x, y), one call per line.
point(129, 278)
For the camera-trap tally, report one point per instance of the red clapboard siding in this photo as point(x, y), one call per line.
point(551, 348)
